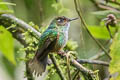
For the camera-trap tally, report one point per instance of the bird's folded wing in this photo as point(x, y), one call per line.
point(47, 43)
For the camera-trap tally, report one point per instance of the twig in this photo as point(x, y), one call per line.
point(90, 74)
point(87, 73)
point(107, 26)
point(56, 66)
point(104, 6)
point(76, 73)
point(85, 26)
point(68, 66)
point(98, 62)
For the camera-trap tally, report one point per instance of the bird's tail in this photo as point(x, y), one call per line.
point(38, 66)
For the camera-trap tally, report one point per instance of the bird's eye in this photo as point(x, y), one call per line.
point(59, 20)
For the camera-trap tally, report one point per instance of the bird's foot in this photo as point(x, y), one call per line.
point(62, 53)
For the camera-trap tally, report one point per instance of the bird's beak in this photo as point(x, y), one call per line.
point(105, 19)
point(73, 19)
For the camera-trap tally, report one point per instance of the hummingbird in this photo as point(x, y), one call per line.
point(53, 39)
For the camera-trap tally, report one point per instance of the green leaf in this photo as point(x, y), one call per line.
point(7, 3)
point(115, 54)
point(6, 44)
point(101, 32)
point(4, 7)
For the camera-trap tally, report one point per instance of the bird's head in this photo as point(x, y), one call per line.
point(62, 21)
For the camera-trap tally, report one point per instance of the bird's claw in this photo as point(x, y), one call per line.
point(62, 53)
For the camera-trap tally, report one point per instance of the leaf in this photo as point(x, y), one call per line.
point(6, 44)
point(115, 54)
point(7, 3)
point(4, 8)
point(100, 32)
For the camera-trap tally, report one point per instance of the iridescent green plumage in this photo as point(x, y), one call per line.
point(52, 40)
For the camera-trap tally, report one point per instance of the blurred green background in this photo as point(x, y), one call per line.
point(41, 12)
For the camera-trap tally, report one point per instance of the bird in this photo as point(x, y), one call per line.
point(53, 39)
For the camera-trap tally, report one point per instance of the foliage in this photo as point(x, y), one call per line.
point(70, 44)
point(45, 10)
point(6, 39)
point(4, 8)
point(6, 44)
point(115, 54)
point(96, 31)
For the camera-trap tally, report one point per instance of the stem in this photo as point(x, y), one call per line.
point(87, 73)
point(85, 26)
point(68, 66)
point(76, 73)
point(109, 31)
point(98, 62)
point(59, 71)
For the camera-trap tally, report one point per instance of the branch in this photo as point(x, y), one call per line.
point(68, 66)
point(85, 26)
point(98, 62)
point(89, 73)
point(21, 23)
point(16, 32)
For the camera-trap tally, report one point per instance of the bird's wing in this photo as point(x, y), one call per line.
point(47, 41)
